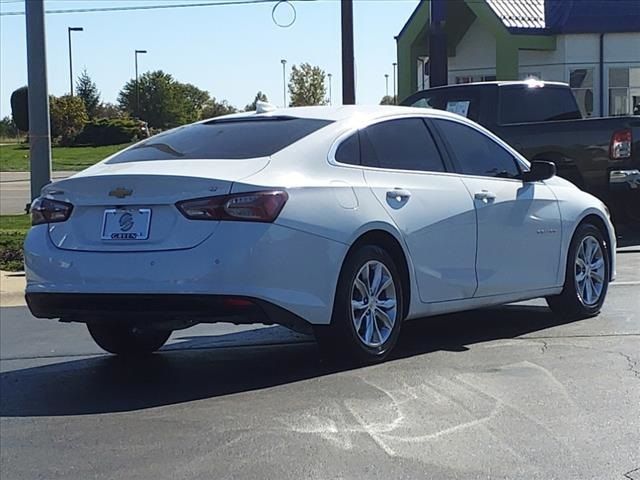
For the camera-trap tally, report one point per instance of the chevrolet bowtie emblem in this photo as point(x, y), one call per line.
point(120, 192)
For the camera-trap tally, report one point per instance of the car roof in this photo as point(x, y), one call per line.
point(502, 83)
point(341, 112)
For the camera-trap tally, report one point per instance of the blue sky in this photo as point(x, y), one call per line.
point(230, 51)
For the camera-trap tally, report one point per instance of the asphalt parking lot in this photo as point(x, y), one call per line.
point(510, 392)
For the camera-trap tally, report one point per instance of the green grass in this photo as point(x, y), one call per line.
point(13, 229)
point(15, 158)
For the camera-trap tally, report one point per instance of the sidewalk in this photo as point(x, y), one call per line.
point(25, 176)
point(15, 190)
point(12, 289)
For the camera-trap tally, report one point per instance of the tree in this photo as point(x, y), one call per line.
point(88, 92)
point(68, 117)
point(164, 102)
point(108, 110)
point(307, 86)
point(213, 108)
point(20, 108)
point(260, 97)
point(387, 100)
point(8, 128)
point(192, 100)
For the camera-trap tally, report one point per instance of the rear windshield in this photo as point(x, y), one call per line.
point(521, 104)
point(239, 138)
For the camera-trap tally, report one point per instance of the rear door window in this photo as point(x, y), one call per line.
point(402, 144)
point(524, 104)
point(239, 138)
point(475, 153)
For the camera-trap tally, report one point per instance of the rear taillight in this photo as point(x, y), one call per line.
point(620, 145)
point(45, 210)
point(249, 207)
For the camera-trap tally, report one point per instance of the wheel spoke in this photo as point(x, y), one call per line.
point(368, 327)
point(362, 288)
point(598, 264)
point(597, 276)
point(376, 327)
point(357, 322)
point(359, 304)
point(588, 297)
point(386, 304)
point(376, 280)
point(385, 318)
point(580, 276)
point(386, 284)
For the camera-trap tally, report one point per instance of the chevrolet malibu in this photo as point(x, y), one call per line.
point(338, 221)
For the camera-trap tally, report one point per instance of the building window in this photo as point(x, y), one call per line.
point(581, 83)
point(624, 91)
point(529, 76)
point(475, 78)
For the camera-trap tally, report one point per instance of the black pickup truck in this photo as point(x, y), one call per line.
point(543, 122)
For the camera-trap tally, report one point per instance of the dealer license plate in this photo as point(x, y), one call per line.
point(126, 224)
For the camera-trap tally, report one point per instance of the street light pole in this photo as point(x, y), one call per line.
point(137, 89)
point(386, 83)
point(69, 30)
point(395, 97)
point(284, 83)
point(348, 68)
point(330, 99)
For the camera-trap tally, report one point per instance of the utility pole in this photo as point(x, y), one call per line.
point(395, 95)
point(438, 56)
point(330, 99)
point(137, 87)
point(348, 69)
point(284, 83)
point(39, 135)
point(386, 84)
point(69, 30)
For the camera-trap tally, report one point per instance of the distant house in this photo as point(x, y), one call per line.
point(592, 45)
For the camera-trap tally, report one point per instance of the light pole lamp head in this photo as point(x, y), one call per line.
point(76, 29)
point(141, 51)
point(283, 61)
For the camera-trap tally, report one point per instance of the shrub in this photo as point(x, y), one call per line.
point(109, 132)
point(68, 117)
point(11, 258)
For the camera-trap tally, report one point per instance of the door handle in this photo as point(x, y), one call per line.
point(485, 196)
point(398, 194)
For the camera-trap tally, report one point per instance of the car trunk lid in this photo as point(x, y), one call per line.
point(125, 208)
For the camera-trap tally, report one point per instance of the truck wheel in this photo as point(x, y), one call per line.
point(587, 275)
point(123, 339)
point(368, 309)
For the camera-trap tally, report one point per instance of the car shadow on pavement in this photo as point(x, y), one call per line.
point(199, 367)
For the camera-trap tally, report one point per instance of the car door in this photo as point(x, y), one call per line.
point(431, 207)
point(519, 234)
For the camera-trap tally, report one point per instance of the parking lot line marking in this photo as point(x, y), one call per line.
point(626, 283)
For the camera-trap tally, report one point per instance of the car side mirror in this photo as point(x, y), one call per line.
point(540, 170)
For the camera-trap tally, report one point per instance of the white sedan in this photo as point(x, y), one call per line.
point(341, 221)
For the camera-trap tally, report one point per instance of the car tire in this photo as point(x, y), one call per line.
point(366, 318)
point(123, 339)
point(587, 275)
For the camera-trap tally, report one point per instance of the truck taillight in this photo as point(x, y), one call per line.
point(45, 210)
point(261, 206)
point(620, 145)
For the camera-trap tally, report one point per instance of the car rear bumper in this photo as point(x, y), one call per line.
point(174, 311)
point(624, 179)
point(293, 270)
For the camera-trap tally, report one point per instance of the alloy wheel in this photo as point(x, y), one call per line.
point(373, 304)
point(589, 271)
